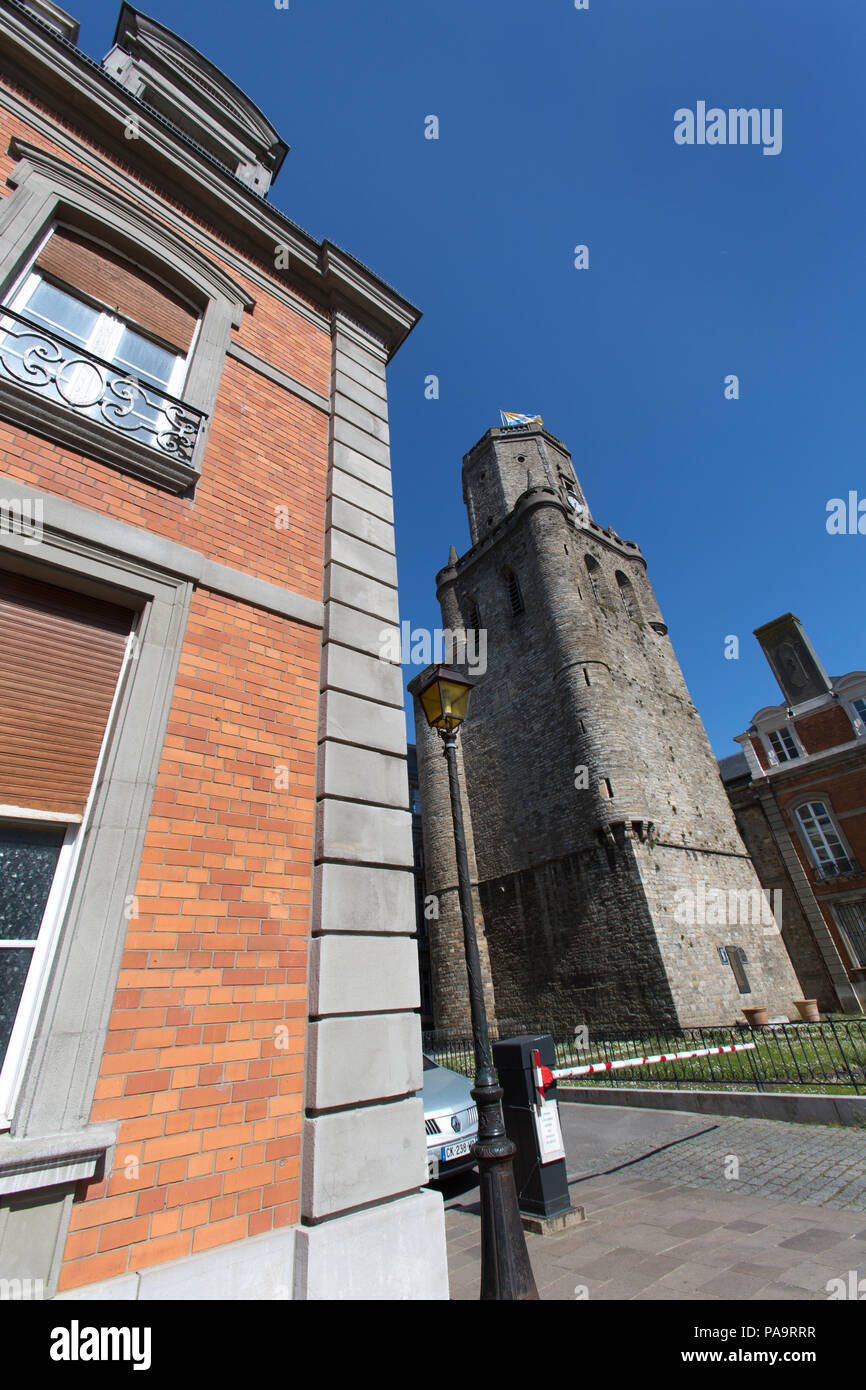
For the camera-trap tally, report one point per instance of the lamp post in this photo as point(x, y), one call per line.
point(505, 1269)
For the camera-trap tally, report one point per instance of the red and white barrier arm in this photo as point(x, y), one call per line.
point(562, 1072)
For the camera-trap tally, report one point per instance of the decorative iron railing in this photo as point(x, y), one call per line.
point(80, 381)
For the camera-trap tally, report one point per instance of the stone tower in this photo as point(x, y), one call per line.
point(613, 887)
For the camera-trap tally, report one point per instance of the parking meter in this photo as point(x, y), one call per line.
point(524, 1065)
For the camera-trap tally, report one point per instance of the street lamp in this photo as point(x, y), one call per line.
point(505, 1269)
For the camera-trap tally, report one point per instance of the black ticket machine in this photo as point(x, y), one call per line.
point(531, 1112)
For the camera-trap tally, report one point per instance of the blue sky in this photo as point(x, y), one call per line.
point(556, 129)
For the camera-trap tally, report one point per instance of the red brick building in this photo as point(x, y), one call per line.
point(798, 790)
point(209, 1033)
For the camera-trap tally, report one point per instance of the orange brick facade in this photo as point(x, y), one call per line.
point(204, 1057)
point(208, 1092)
point(266, 450)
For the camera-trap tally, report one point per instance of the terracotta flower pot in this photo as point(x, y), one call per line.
point(808, 1010)
point(757, 1017)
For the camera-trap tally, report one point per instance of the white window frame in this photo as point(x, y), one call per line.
point(43, 950)
point(817, 864)
point(791, 732)
point(47, 190)
point(108, 330)
point(21, 1037)
point(858, 717)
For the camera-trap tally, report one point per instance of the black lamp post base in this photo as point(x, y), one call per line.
point(506, 1273)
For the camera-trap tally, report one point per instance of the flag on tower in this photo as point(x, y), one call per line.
point(510, 418)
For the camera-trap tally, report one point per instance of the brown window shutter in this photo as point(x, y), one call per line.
point(60, 659)
point(115, 282)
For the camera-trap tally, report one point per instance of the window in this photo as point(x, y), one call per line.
point(113, 327)
point(822, 840)
point(852, 920)
point(736, 958)
point(52, 1076)
point(627, 594)
point(782, 743)
point(859, 707)
point(473, 617)
point(62, 339)
point(34, 869)
point(63, 654)
point(515, 597)
point(593, 570)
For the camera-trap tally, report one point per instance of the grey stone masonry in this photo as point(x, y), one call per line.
point(614, 886)
point(364, 1145)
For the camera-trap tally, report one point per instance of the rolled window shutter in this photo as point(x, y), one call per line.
point(115, 282)
point(60, 658)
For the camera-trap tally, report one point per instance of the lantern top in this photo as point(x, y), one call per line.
point(444, 695)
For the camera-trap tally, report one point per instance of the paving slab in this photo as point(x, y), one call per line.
point(668, 1225)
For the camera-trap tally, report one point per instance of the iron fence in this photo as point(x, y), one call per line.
point(812, 1057)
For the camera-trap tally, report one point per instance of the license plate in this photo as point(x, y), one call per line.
point(456, 1150)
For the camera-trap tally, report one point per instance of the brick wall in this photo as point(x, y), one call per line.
point(826, 728)
point(208, 1093)
point(266, 449)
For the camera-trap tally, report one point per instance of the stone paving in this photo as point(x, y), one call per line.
point(672, 1226)
point(821, 1165)
point(825, 1166)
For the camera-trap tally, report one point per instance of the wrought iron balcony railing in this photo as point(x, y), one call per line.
point(78, 380)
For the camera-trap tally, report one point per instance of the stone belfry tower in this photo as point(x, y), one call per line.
point(613, 886)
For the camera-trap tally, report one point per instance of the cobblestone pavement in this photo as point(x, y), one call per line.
point(668, 1224)
point(820, 1165)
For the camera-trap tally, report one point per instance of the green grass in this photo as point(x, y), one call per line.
point(806, 1059)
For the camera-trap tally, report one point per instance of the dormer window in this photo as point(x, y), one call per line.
point(782, 743)
point(172, 78)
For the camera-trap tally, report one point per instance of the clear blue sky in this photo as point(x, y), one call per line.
point(556, 128)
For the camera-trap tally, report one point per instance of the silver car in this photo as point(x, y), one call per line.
point(450, 1119)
